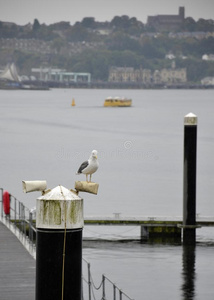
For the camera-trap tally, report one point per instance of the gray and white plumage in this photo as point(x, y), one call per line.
point(89, 166)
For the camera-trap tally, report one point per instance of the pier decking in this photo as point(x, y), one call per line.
point(17, 276)
point(149, 221)
point(150, 226)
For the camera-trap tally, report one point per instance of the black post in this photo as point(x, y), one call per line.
point(189, 184)
point(59, 223)
point(188, 272)
point(49, 264)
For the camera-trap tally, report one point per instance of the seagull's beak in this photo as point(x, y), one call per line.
point(95, 156)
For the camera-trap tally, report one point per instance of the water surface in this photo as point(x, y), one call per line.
point(140, 151)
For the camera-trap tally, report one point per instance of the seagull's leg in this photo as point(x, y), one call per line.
point(87, 177)
point(90, 177)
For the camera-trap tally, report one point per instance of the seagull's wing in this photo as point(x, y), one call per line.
point(82, 167)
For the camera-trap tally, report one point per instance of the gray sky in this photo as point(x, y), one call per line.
point(51, 11)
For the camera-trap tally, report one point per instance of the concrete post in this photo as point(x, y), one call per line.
point(59, 223)
point(189, 177)
point(144, 232)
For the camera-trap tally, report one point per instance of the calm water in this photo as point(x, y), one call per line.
point(141, 165)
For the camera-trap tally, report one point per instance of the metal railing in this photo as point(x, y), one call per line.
point(21, 221)
point(106, 290)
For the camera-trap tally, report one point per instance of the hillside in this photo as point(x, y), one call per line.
point(93, 47)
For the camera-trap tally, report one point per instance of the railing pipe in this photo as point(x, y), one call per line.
point(2, 202)
point(89, 282)
point(19, 217)
point(10, 211)
point(15, 211)
point(104, 292)
point(114, 291)
point(23, 218)
point(30, 228)
point(121, 294)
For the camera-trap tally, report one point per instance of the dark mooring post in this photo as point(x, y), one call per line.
point(189, 177)
point(59, 223)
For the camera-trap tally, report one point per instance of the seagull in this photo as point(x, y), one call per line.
point(89, 166)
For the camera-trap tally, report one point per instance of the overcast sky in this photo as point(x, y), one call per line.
point(22, 12)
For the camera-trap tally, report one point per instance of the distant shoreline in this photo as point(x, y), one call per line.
point(122, 85)
point(46, 85)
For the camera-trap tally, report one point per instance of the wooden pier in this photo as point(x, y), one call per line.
point(150, 226)
point(17, 277)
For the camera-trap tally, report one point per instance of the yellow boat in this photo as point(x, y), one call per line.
point(117, 102)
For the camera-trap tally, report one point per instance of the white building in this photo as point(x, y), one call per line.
point(61, 75)
point(207, 81)
point(208, 57)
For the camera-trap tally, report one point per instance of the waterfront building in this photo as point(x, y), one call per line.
point(207, 81)
point(170, 76)
point(120, 74)
point(145, 76)
point(60, 75)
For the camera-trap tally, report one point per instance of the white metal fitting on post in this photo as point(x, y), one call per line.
point(59, 208)
point(32, 186)
point(190, 119)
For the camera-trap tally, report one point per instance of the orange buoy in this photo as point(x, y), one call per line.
point(73, 102)
point(6, 202)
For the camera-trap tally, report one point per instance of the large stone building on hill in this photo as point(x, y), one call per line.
point(120, 74)
point(167, 22)
point(147, 77)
